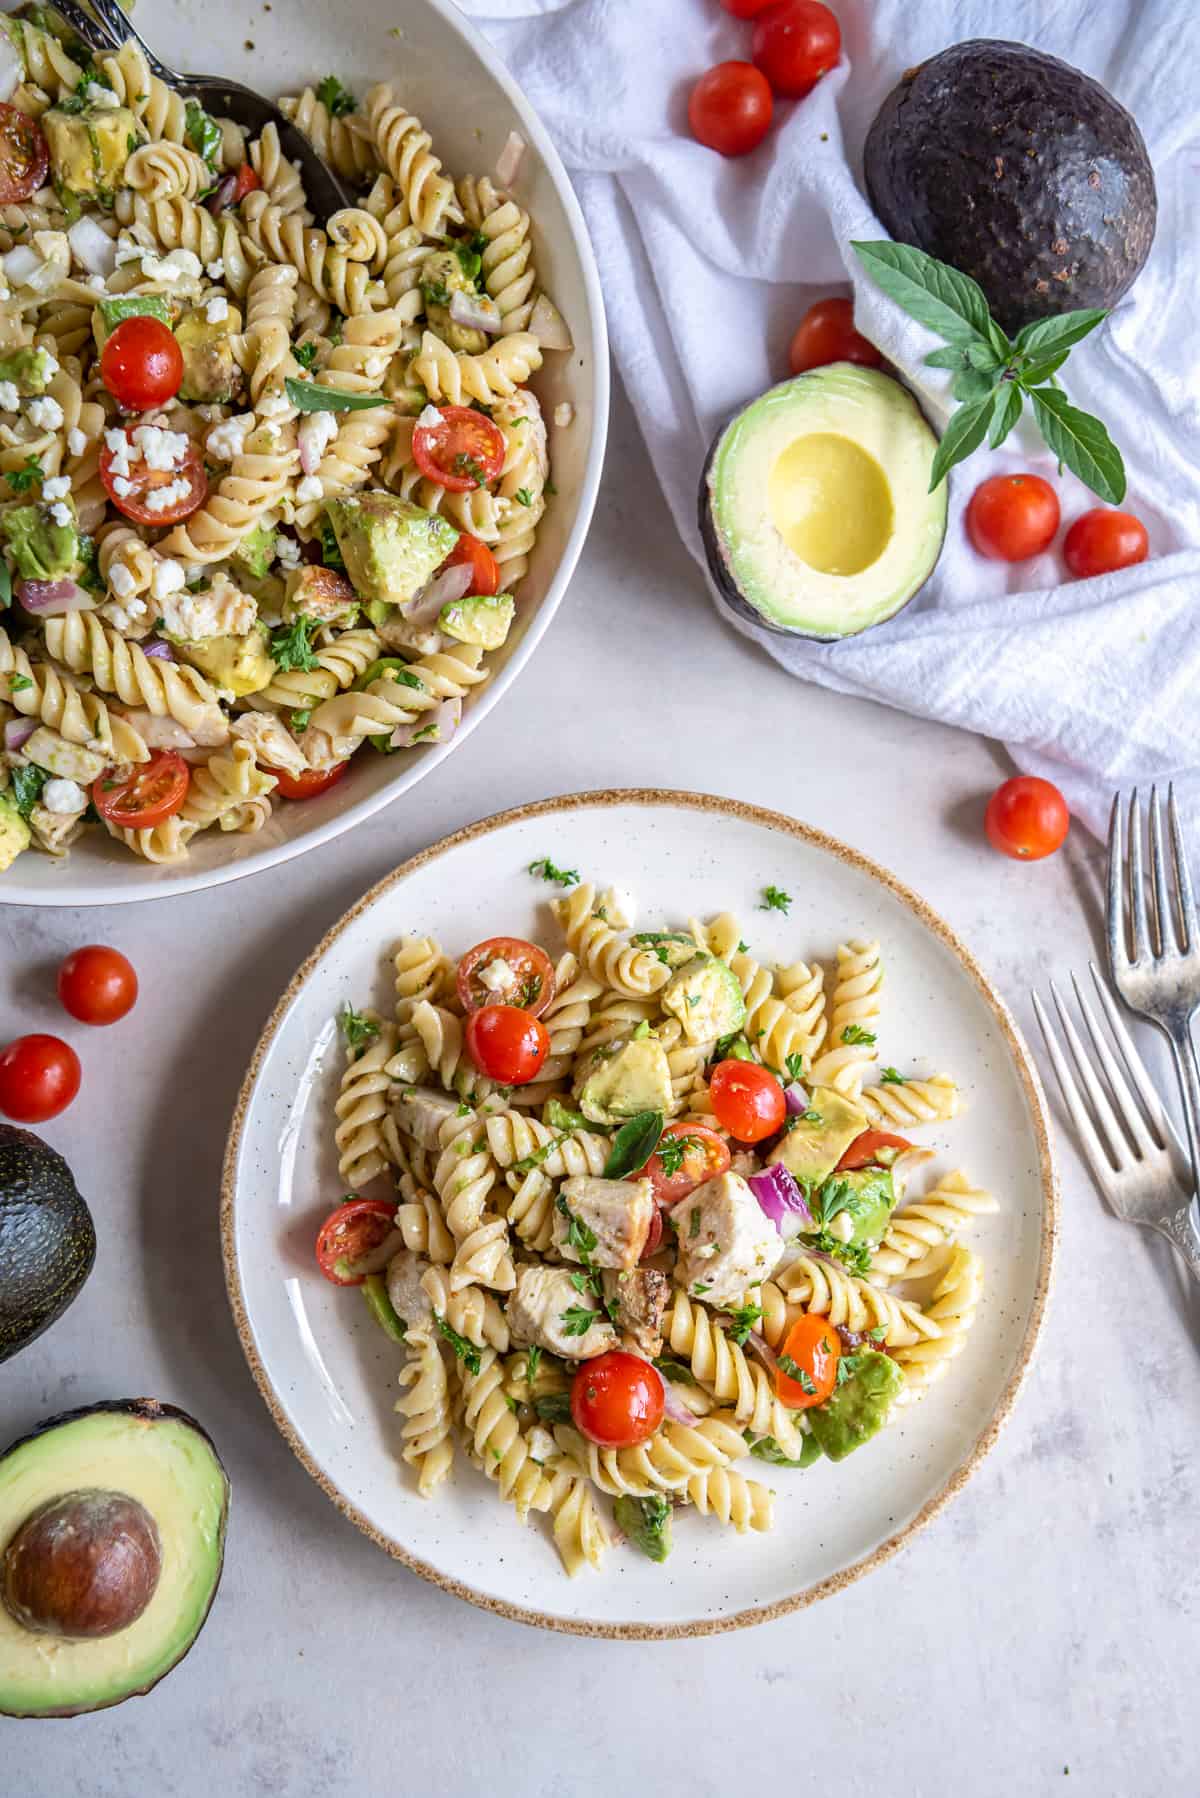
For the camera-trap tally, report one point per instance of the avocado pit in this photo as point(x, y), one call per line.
point(82, 1566)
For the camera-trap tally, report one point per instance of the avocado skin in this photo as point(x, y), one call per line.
point(1018, 170)
point(143, 1410)
point(47, 1238)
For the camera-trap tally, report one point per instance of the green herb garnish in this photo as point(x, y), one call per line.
point(203, 133)
point(533, 1360)
point(854, 1033)
point(467, 1353)
point(310, 396)
point(305, 354)
point(672, 1151)
point(634, 1144)
point(890, 1077)
point(357, 1028)
point(523, 496)
point(291, 645)
point(334, 97)
point(23, 478)
point(801, 1375)
point(19, 683)
point(577, 1320)
point(554, 1407)
point(27, 782)
point(775, 899)
point(744, 1319)
point(562, 877)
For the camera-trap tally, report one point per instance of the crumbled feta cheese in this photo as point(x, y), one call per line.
point(161, 499)
point(215, 270)
point(161, 449)
point(166, 579)
point(76, 440)
point(316, 430)
point(48, 365)
point(10, 399)
point(46, 413)
point(498, 976)
point(57, 487)
point(217, 309)
point(429, 419)
point(96, 94)
point(541, 1443)
point(121, 487)
point(309, 488)
point(564, 414)
point(375, 367)
point(176, 265)
point(121, 454)
point(219, 610)
point(60, 513)
point(64, 797)
point(269, 428)
point(97, 283)
point(120, 580)
point(129, 249)
point(287, 552)
point(227, 440)
point(271, 405)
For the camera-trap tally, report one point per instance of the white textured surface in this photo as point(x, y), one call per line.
point(1046, 1620)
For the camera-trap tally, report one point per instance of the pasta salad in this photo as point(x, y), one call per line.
point(268, 488)
point(640, 1216)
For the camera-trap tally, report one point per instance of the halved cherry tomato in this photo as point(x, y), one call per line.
point(617, 1400)
point(748, 1101)
point(246, 182)
point(730, 108)
point(39, 1076)
point(870, 1150)
point(1011, 517)
point(812, 1350)
point(142, 481)
point(699, 1155)
point(485, 572)
point(308, 784)
point(153, 792)
point(1100, 541)
point(462, 451)
point(507, 1044)
point(1027, 818)
point(141, 364)
point(527, 976)
point(654, 1235)
point(745, 9)
point(794, 44)
point(24, 155)
point(826, 334)
point(356, 1240)
point(97, 985)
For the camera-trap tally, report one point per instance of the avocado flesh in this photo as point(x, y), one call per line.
point(162, 1458)
point(47, 1237)
point(872, 1200)
point(811, 1151)
point(390, 547)
point(814, 505)
point(14, 838)
point(621, 1083)
point(41, 549)
point(1019, 170)
point(241, 665)
point(706, 996)
point(89, 149)
point(856, 1410)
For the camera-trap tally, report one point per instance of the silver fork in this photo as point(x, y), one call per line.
point(103, 25)
point(1136, 1158)
point(1157, 971)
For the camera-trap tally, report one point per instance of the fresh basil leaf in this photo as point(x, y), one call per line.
point(1082, 442)
point(964, 433)
point(1006, 409)
point(634, 1144)
point(5, 586)
point(1047, 334)
point(1043, 370)
point(970, 385)
point(983, 357)
point(310, 396)
point(951, 355)
point(553, 1407)
point(930, 291)
point(766, 1448)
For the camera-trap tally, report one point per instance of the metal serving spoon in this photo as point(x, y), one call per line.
point(103, 25)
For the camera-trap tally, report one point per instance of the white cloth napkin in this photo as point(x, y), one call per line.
point(707, 265)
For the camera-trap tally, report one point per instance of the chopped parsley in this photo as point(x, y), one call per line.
point(299, 720)
point(775, 899)
point(291, 645)
point(26, 786)
point(203, 133)
point(673, 1150)
point(357, 1028)
point(437, 294)
point(561, 877)
point(794, 1065)
point(561, 1117)
point(743, 948)
point(811, 1117)
point(801, 1375)
point(523, 496)
point(854, 1033)
point(469, 466)
point(580, 1236)
point(536, 1157)
point(305, 354)
point(533, 1360)
point(694, 1223)
point(577, 1320)
point(467, 1353)
point(470, 256)
point(334, 98)
point(855, 1256)
point(890, 1077)
point(701, 1287)
point(18, 683)
point(744, 1319)
point(22, 479)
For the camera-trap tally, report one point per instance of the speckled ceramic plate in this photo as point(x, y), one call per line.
point(329, 1375)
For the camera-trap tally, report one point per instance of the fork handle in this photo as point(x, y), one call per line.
point(1181, 1234)
point(1188, 1072)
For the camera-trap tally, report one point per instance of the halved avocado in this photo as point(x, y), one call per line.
point(47, 1238)
point(112, 1536)
point(814, 504)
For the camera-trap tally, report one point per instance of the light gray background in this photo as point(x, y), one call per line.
point(1038, 1638)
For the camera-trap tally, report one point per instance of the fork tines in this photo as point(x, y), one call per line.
point(1172, 909)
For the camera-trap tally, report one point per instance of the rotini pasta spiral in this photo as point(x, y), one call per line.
point(453, 378)
point(39, 690)
point(500, 1445)
point(464, 1174)
point(160, 108)
point(257, 481)
point(483, 1258)
point(339, 664)
point(693, 1333)
point(168, 689)
point(424, 1405)
point(404, 148)
point(911, 1101)
point(565, 1018)
point(284, 237)
point(229, 790)
point(609, 956)
point(361, 1108)
point(672, 1457)
point(167, 171)
point(923, 1225)
point(579, 1533)
point(508, 271)
point(471, 1313)
point(514, 1138)
point(843, 1298)
point(280, 178)
point(725, 1493)
point(530, 1210)
point(345, 143)
point(952, 1308)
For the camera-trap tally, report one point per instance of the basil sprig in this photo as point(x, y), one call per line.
point(994, 375)
point(310, 396)
point(634, 1144)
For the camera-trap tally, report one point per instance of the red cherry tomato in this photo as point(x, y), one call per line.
point(506, 1044)
point(617, 1400)
point(826, 334)
point(463, 451)
point(746, 9)
point(1101, 541)
point(794, 44)
point(1027, 818)
point(142, 481)
point(39, 1076)
point(748, 1101)
point(246, 182)
point(485, 571)
point(527, 983)
point(153, 792)
point(357, 1240)
point(698, 1154)
point(874, 1148)
point(813, 1350)
point(310, 783)
point(1012, 517)
point(654, 1236)
point(730, 108)
point(97, 985)
point(141, 364)
point(24, 155)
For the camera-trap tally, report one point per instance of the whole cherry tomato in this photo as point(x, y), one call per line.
point(97, 985)
point(1027, 818)
point(730, 108)
point(1101, 541)
point(507, 1044)
point(826, 334)
point(808, 1362)
point(747, 1100)
point(141, 364)
point(309, 783)
point(794, 44)
point(39, 1076)
point(1012, 517)
point(617, 1400)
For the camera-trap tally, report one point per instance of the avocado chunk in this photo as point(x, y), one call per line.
point(671, 947)
point(867, 1196)
point(815, 514)
point(112, 1535)
point(765, 1448)
point(380, 1306)
point(483, 618)
point(89, 148)
point(624, 1079)
point(443, 274)
point(256, 550)
point(109, 313)
point(857, 1407)
point(1020, 171)
point(390, 546)
point(28, 370)
point(646, 1522)
point(14, 837)
point(241, 665)
point(816, 1142)
point(40, 548)
point(47, 1238)
point(706, 996)
point(209, 366)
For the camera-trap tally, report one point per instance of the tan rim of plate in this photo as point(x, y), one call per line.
point(704, 1626)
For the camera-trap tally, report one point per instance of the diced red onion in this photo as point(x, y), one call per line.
point(17, 732)
point(21, 262)
point(796, 1099)
point(779, 1196)
point(51, 599)
point(446, 586)
point(549, 326)
point(92, 246)
point(476, 312)
point(674, 1408)
point(159, 648)
point(509, 159)
point(12, 72)
point(761, 1350)
point(221, 195)
point(445, 720)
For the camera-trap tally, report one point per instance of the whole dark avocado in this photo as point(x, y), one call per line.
point(47, 1238)
point(1020, 171)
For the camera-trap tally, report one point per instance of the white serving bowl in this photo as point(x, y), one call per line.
point(444, 71)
